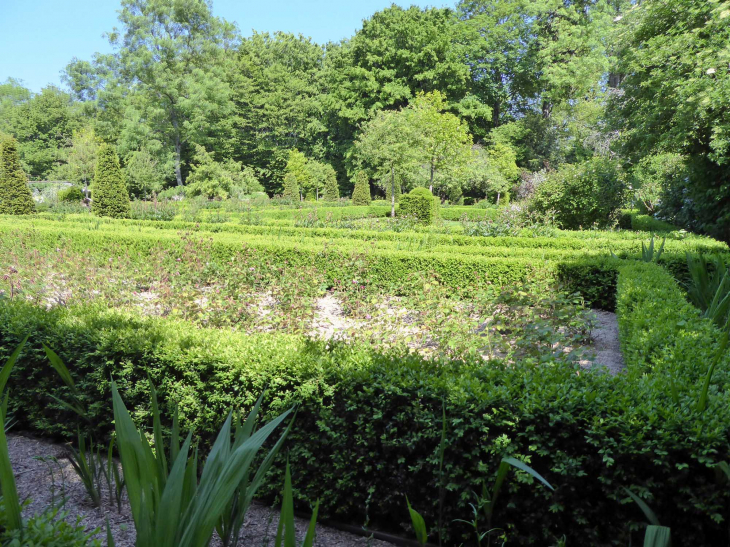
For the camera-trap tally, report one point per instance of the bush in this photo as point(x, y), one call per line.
point(15, 195)
point(71, 194)
point(421, 204)
point(584, 195)
point(656, 174)
point(331, 189)
point(361, 193)
point(49, 528)
point(590, 435)
point(110, 197)
point(291, 187)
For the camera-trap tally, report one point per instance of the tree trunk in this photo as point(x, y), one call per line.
point(392, 193)
point(431, 185)
point(498, 194)
point(178, 154)
point(495, 114)
point(547, 109)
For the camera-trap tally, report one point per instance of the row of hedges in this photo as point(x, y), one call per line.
point(385, 268)
point(628, 243)
point(368, 425)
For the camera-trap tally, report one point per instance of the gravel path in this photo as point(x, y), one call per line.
point(606, 343)
point(45, 476)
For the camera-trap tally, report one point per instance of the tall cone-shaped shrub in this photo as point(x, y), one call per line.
point(291, 187)
point(15, 195)
point(110, 196)
point(361, 193)
point(331, 189)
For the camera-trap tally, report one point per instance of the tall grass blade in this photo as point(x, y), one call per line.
point(9, 364)
point(7, 479)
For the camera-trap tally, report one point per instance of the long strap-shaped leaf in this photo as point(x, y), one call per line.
point(215, 490)
point(9, 364)
point(7, 479)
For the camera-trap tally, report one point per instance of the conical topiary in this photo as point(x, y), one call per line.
point(109, 193)
point(331, 189)
point(361, 193)
point(15, 195)
point(291, 187)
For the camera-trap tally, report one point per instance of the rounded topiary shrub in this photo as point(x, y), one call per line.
point(421, 204)
point(361, 193)
point(71, 194)
point(583, 195)
point(111, 198)
point(15, 195)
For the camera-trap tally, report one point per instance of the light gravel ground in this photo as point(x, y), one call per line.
point(606, 343)
point(46, 483)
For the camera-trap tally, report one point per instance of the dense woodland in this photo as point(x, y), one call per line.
point(484, 99)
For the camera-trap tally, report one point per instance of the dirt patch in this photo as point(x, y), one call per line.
point(45, 477)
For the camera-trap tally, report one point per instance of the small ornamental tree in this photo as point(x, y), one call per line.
point(361, 193)
point(421, 204)
point(15, 195)
point(331, 189)
point(291, 187)
point(110, 196)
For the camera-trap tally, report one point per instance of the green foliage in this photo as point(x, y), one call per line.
point(145, 173)
point(331, 189)
point(421, 204)
point(109, 192)
point(80, 158)
point(170, 504)
point(286, 531)
point(71, 194)
point(15, 194)
point(361, 193)
point(219, 180)
point(296, 166)
point(291, 187)
point(709, 288)
point(675, 60)
point(50, 528)
point(584, 195)
point(654, 176)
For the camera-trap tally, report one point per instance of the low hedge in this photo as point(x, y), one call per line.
point(368, 424)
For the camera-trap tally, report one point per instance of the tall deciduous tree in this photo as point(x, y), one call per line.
point(390, 145)
point(445, 139)
point(81, 159)
point(172, 53)
point(675, 67)
point(278, 92)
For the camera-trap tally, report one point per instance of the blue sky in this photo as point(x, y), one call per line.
point(39, 37)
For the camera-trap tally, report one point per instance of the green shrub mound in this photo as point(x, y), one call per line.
point(110, 195)
point(583, 195)
point(15, 195)
point(71, 194)
point(589, 434)
point(420, 203)
point(361, 192)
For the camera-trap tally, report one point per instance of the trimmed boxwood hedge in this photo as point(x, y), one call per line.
point(368, 424)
